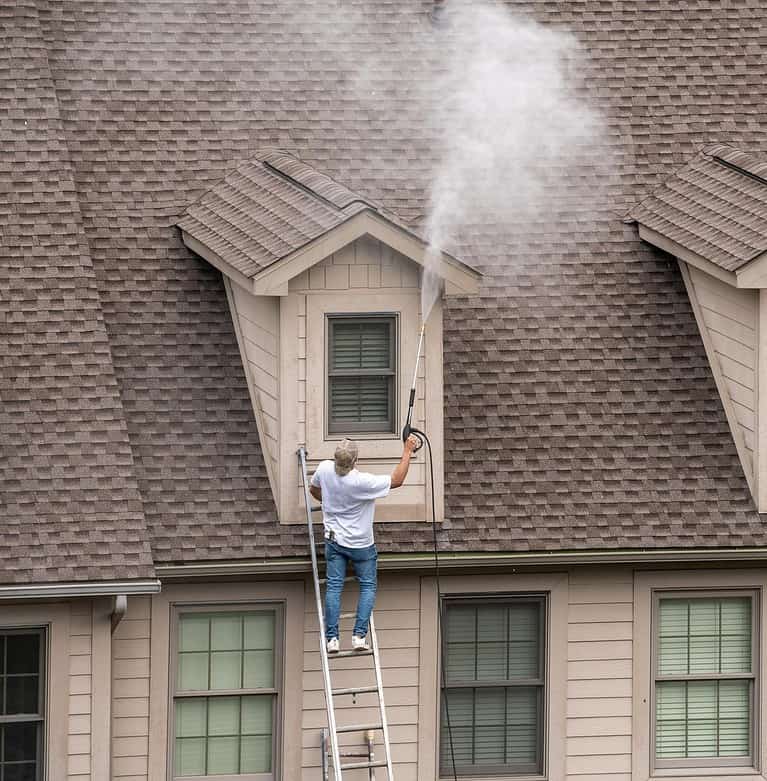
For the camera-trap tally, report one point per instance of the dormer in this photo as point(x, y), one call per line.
point(711, 215)
point(324, 291)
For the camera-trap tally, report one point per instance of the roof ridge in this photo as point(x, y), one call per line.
point(739, 169)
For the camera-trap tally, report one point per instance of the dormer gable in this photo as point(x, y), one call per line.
point(711, 214)
point(324, 291)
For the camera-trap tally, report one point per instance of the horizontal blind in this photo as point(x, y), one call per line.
point(361, 374)
point(494, 726)
point(704, 718)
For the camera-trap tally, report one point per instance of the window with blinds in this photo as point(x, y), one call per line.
point(361, 374)
point(493, 702)
point(22, 704)
point(226, 698)
point(705, 674)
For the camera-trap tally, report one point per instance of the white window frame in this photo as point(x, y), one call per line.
point(276, 690)
point(648, 586)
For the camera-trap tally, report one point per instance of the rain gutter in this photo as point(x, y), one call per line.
point(421, 561)
point(61, 590)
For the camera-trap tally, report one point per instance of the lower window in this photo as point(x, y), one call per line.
point(226, 696)
point(22, 663)
point(493, 703)
point(705, 676)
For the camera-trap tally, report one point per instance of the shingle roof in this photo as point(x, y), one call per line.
point(714, 206)
point(70, 505)
point(579, 367)
point(266, 208)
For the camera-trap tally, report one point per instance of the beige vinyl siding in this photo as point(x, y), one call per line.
point(599, 668)
point(258, 319)
point(130, 692)
point(81, 718)
point(397, 619)
point(730, 318)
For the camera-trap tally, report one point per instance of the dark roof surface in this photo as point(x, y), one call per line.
point(579, 367)
point(70, 505)
point(715, 206)
point(268, 207)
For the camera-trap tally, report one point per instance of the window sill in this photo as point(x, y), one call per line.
point(705, 774)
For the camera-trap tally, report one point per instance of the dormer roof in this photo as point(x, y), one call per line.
point(275, 215)
point(712, 212)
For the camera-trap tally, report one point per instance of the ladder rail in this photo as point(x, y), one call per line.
point(381, 704)
point(321, 616)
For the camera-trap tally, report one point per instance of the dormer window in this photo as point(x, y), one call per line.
point(324, 289)
point(361, 374)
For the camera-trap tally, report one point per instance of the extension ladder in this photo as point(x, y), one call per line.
point(330, 693)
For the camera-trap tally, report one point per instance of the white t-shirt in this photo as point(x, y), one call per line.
point(348, 502)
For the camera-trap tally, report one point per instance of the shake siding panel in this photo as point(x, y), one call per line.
point(130, 692)
point(80, 686)
point(397, 616)
point(600, 632)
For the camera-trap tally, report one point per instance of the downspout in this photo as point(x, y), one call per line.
point(119, 611)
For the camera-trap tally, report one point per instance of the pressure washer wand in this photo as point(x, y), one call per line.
point(408, 429)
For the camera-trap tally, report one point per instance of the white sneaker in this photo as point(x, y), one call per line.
point(359, 643)
point(333, 645)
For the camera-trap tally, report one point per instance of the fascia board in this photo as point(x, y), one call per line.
point(754, 273)
point(425, 561)
point(62, 590)
point(273, 280)
point(215, 260)
point(677, 250)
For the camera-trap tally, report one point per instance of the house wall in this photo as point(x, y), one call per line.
point(130, 692)
point(728, 320)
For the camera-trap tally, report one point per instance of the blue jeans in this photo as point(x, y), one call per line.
point(364, 562)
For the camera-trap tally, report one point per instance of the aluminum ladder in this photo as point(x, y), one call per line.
point(331, 693)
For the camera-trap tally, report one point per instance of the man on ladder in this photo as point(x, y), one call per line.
point(348, 503)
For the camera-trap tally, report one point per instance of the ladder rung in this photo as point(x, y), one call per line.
point(363, 765)
point(355, 690)
point(323, 581)
point(348, 615)
point(317, 509)
point(342, 654)
point(359, 727)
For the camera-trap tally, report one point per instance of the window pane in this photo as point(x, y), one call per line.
point(194, 631)
point(21, 694)
point(522, 719)
point(359, 399)
point(257, 715)
point(190, 757)
point(223, 755)
point(460, 703)
point(23, 653)
point(256, 754)
point(223, 716)
point(361, 345)
point(704, 636)
point(489, 726)
point(671, 719)
point(492, 645)
point(226, 632)
point(191, 714)
point(702, 719)
point(20, 742)
point(734, 718)
point(193, 671)
point(259, 670)
point(24, 771)
point(226, 670)
point(259, 631)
